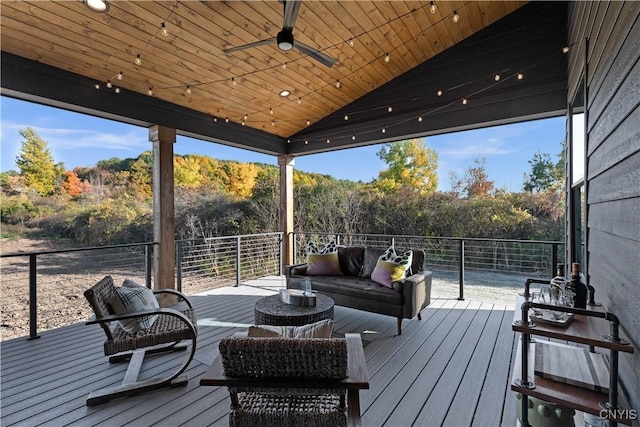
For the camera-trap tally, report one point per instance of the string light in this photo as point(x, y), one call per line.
point(328, 141)
point(138, 60)
point(353, 137)
point(389, 109)
point(117, 90)
point(496, 77)
point(299, 100)
point(384, 130)
point(464, 101)
point(338, 84)
point(119, 75)
point(439, 93)
point(420, 118)
point(246, 116)
point(109, 84)
point(188, 90)
point(387, 58)
point(433, 8)
point(271, 110)
point(284, 65)
point(226, 119)
point(565, 49)
point(346, 117)
point(351, 43)
point(150, 91)
point(97, 86)
point(306, 142)
point(520, 76)
point(308, 122)
point(288, 141)
point(242, 123)
point(456, 17)
point(163, 30)
point(273, 122)
point(233, 81)
point(215, 120)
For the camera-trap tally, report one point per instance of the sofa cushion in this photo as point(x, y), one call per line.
point(351, 259)
point(391, 267)
point(359, 288)
point(371, 256)
point(323, 260)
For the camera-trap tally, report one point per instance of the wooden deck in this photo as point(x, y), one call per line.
point(451, 368)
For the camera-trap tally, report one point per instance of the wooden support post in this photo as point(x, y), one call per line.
point(164, 255)
point(286, 163)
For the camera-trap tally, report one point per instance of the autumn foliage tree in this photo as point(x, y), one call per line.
point(73, 185)
point(36, 163)
point(411, 165)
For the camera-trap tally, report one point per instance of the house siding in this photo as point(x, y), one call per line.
point(613, 160)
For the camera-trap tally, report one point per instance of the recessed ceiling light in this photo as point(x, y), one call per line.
point(285, 93)
point(99, 6)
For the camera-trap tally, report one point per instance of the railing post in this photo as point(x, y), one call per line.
point(148, 262)
point(461, 256)
point(33, 300)
point(295, 249)
point(179, 266)
point(554, 259)
point(281, 255)
point(238, 243)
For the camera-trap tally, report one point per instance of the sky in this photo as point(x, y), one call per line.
point(81, 140)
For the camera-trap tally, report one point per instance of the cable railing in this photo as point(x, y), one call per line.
point(469, 261)
point(47, 287)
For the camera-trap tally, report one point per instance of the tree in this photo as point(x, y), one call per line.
point(410, 165)
point(542, 176)
point(475, 182)
point(187, 172)
point(73, 185)
point(36, 164)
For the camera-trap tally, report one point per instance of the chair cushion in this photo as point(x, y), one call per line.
point(320, 329)
point(323, 260)
point(391, 267)
point(132, 298)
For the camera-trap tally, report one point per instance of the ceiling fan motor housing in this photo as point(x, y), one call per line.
point(285, 39)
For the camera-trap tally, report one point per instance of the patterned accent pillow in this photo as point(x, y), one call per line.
point(391, 267)
point(132, 297)
point(320, 329)
point(323, 260)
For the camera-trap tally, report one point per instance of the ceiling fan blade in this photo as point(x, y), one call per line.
point(321, 57)
point(291, 8)
point(254, 44)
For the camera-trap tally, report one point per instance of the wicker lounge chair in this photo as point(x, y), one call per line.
point(172, 325)
point(291, 381)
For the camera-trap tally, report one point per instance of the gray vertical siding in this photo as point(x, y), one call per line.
point(613, 160)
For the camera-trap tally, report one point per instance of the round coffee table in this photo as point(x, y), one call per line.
point(272, 311)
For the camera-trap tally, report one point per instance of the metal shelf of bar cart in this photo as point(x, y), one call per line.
point(594, 327)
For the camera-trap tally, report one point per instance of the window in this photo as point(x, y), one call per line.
point(577, 196)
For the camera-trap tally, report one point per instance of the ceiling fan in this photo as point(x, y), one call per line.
point(285, 39)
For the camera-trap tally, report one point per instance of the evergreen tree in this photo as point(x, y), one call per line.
point(543, 175)
point(36, 164)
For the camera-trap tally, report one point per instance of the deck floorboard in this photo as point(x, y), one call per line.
point(450, 368)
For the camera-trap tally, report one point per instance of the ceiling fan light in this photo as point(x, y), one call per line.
point(99, 6)
point(285, 40)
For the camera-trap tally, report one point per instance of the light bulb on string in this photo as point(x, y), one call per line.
point(117, 90)
point(226, 119)
point(163, 29)
point(97, 86)
point(306, 142)
point(150, 91)
point(389, 109)
point(299, 100)
point(119, 75)
point(338, 84)
point(464, 101)
point(433, 8)
point(439, 93)
point(138, 60)
point(188, 90)
point(420, 119)
point(233, 81)
point(565, 49)
point(246, 116)
point(384, 130)
point(109, 84)
point(456, 17)
point(387, 58)
point(215, 120)
point(496, 77)
point(351, 43)
point(346, 117)
point(328, 141)
point(308, 122)
point(288, 141)
point(271, 110)
point(353, 137)
point(273, 122)
point(284, 65)
point(242, 123)
point(520, 76)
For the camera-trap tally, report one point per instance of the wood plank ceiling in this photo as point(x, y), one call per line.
point(189, 68)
